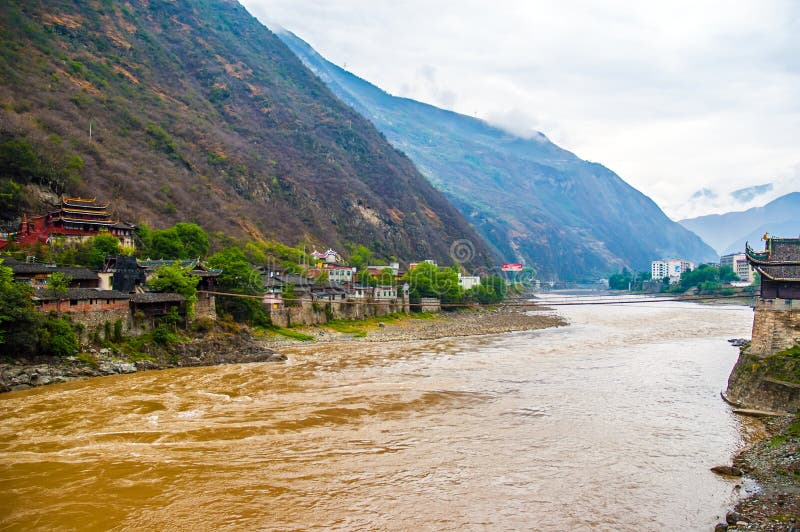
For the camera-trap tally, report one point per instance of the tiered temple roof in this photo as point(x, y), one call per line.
point(780, 260)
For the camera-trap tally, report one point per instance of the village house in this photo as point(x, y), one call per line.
point(37, 274)
point(90, 307)
point(123, 273)
point(331, 265)
point(75, 220)
point(206, 305)
point(385, 293)
point(376, 270)
point(153, 305)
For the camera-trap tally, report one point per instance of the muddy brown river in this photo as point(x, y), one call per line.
point(610, 423)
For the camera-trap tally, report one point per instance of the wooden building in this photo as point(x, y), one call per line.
point(779, 267)
point(37, 274)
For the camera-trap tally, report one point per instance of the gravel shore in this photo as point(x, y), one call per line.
point(774, 463)
point(472, 322)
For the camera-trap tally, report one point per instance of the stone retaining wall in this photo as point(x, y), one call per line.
point(776, 326)
point(321, 312)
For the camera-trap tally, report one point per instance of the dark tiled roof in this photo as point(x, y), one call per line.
point(780, 261)
point(779, 272)
point(784, 249)
point(157, 297)
point(43, 294)
point(25, 268)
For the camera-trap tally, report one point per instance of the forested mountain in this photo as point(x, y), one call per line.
point(194, 111)
point(531, 200)
point(728, 232)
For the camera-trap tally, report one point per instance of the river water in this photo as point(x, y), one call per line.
point(610, 423)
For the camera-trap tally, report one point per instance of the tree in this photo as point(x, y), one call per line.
point(58, 285)
point(165, 244)
point(181, 241)
point(386, 277)
point(237, 273)
point(428, 280)
point(621, 280)
point(726, 274)
point(194, 240)
point(359, 255)
point(239, 277)
point(173, 278)
point(26, 331)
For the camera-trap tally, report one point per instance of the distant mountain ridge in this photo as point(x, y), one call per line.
point(531, 200)
point(728, 232)
point(199, 113)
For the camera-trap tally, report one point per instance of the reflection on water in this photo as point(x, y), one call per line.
point(611, 423)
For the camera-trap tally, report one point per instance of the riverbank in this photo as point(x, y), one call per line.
point(216, 347)
point(468, 322)
point(774, 463)
point(243, 345)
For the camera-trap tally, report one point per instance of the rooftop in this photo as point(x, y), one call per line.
point(38, 268)
point(43, 294)
point(157, 297)
point(780, 260)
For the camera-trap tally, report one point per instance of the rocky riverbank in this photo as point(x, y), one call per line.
point(211, 349)
point(242, 346)
point(774, 463)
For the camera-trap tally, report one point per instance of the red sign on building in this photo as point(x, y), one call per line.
point(511, 267)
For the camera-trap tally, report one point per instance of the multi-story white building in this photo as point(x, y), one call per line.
point(738, 263)
point(672, 268)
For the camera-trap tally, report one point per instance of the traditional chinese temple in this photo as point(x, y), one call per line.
point(75, 219)
point(779, 267)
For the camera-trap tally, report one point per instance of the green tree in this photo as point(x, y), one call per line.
point(165, 244)
point(428, 280)
point(58, 286)
point(172, 278)
point(386, 277)
point(239, 277)
point(144, 241)
point(94, 254)
point(621, 280)
point(181, 241)
point(359, 255)
point(726, 275)
point(17, 321)
point(194, 240)
point(10, 197)
point(26, 331)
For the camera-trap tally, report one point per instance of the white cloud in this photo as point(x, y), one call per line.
point(673, 96)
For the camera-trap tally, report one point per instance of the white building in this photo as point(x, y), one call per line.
point(468, 282)
point(384, 293)
point(672, 268)
point(738, 263)
point(340, 274)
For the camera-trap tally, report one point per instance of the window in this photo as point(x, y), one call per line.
point(73, 302)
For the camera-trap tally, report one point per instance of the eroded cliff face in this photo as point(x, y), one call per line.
point(767, 374)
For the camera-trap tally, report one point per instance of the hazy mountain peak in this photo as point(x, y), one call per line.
point(531, 200)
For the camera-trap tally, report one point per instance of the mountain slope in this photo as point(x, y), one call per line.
point(728, 232)
point(198, 112)
point(530, 199)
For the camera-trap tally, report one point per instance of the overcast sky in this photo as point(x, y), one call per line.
point(688, 101)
